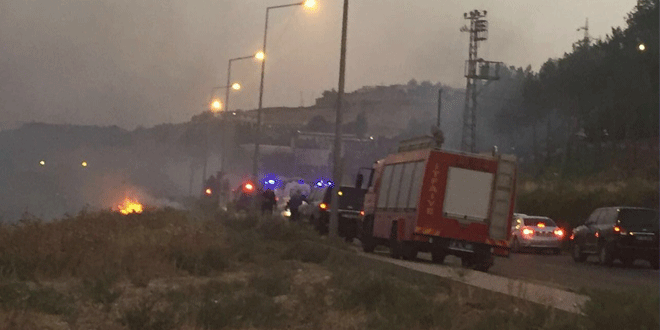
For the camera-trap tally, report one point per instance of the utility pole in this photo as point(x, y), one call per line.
point(333, 226)
point(478, 32)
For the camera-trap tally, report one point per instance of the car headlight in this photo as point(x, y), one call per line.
point(286, 213)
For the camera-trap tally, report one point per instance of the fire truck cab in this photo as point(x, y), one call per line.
point(426, 199)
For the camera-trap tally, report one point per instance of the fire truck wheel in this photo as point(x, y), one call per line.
point(483, 263)
point(408, 250)
point(366, 237)
point(395, 245)
point(515, 245)
point(438, 256)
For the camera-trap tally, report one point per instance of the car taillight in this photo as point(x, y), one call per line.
point(527, 231)
point(572, 236)
point(323, 206)
point(559, 233)
point(362, 213)
point(618, 229)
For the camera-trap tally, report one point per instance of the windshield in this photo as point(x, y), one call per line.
point(645, 217)
point(540, 222)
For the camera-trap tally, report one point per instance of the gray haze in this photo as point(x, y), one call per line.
point(139, 62)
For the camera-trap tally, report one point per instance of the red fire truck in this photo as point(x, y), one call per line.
point(426, 199)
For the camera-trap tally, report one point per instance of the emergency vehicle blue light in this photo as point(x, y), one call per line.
point(319, 184)
point(301, 181)
point(329, 183)
point(271, 181)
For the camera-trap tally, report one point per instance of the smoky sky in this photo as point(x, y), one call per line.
point(141, 62)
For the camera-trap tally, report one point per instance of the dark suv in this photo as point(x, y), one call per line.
point(350, 210)
point(624, 233)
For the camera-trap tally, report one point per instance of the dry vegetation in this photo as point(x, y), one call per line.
point(168, 269)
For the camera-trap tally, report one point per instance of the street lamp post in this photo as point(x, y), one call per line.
point(255, 160)
point(333, 226)
point(215, 106)
point(224, 128)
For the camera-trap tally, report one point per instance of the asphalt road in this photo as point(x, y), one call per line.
point(560, 271)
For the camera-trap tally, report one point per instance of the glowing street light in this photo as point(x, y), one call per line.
point(216, 105)
point(236, 86)
point(83, 164)
point(42, 163)
point(260, 56)
point(310, 4)
point(641, 47)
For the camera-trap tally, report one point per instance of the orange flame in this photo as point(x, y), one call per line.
point(129, 206)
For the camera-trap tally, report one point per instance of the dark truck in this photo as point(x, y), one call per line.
point(624, 233)
point(350, 210)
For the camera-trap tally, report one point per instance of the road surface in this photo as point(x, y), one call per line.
point(560, 271)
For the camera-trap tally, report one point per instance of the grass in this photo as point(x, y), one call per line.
point(622, 310)
point(20, 296)
point(169, 269)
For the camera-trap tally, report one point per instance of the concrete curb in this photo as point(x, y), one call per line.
point(540, 294)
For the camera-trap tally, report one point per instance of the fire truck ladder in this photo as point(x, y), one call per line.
point(504, 184)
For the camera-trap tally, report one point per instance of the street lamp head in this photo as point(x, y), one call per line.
point(216, 105)
point(260, 55)
point(310, 4)
point(641, 47)
point(236, 86)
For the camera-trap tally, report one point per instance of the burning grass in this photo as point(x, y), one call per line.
point(169, 269)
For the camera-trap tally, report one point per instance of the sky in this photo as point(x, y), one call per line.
point(146, 62)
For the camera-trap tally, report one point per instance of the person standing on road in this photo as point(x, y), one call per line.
point(294, 203)
point(268, 202)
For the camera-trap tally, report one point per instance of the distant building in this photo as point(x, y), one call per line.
point(388, 109)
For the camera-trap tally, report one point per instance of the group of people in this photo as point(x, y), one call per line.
point(269, 201)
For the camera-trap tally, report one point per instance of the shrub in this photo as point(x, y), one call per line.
point(275, 282)
point(99, 289)
point(145, 316)
point(19, 296)
point(622, 310)
point(306, 252)
point(222, 306)
point(393, 304)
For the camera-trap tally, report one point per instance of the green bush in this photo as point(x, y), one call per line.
point(222, 305)
point(306, 252)
point(535, 317)
point(201, 263)
point(100, 291)
point(274, 282)
point(145, 316)
point(563, 201)
point(19, 296)
point(622, 310)
point(391, 303)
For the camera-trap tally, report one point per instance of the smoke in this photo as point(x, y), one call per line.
point(87, 62)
